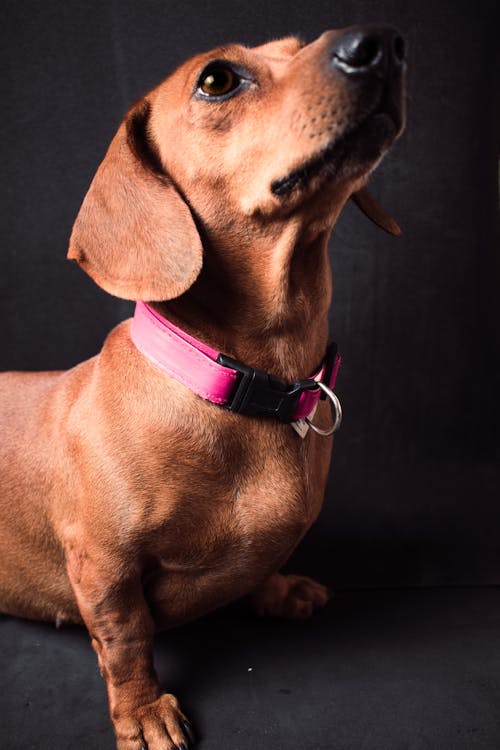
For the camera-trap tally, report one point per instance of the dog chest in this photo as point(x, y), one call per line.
point(227, 551)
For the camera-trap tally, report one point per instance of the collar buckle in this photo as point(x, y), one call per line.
point(259, 394)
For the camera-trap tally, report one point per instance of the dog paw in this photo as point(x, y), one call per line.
point(160, 725)
point(289, 596)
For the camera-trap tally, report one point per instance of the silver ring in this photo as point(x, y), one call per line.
point(337, 409)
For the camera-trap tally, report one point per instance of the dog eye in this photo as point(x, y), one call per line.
point(218, 81)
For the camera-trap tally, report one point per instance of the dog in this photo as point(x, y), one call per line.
point(134, 496)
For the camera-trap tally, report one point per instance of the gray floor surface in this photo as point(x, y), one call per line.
point(378, 670)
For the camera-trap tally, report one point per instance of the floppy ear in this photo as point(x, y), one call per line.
point(134, 234)
point(369, 206)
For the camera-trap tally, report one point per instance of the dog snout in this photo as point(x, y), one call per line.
point(369, 50)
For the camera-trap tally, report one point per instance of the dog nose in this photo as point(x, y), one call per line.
point(369, 49)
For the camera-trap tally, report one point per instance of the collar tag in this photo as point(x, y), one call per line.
point(300, 425)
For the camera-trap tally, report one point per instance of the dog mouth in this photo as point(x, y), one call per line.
point(349, 155)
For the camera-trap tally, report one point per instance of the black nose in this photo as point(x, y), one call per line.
point(369, 49)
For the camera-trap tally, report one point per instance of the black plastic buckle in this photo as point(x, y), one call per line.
point(259, 394)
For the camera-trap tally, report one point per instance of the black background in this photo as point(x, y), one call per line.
point(414, 491)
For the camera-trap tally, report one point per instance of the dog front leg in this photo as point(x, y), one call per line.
point(113, 607)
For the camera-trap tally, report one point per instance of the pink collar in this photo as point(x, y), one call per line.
point(223, 380)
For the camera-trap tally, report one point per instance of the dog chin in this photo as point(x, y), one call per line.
point(349, 156)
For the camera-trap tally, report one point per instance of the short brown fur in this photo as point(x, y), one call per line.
point(128, 502)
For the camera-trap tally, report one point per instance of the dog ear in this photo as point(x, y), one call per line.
point(369, 206)
point(134, 234)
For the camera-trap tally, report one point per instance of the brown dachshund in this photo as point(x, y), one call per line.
point(127, 501)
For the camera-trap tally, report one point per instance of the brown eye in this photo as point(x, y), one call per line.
point(219, 81)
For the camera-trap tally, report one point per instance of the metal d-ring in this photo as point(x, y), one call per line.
point(337, 409)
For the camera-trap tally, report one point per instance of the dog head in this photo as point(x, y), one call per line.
point(239, 141)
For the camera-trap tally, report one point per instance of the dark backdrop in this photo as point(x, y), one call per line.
point(413, 497)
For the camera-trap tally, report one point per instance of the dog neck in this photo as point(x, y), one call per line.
point(264, 303)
